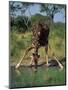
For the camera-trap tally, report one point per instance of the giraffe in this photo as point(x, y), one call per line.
point(40, 39)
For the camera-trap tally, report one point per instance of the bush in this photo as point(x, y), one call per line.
point(19, 23)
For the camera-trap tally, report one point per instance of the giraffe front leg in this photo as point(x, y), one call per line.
point(35, 57)
point(25, 53)
point(46, 60)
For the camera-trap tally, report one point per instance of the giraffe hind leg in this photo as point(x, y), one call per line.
point(46, 57)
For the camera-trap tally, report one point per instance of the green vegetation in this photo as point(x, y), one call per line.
point(39, 17)
point(21, 41)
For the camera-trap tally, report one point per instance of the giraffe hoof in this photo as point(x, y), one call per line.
point(47, 65)
point(61, 68)
point(17, 66)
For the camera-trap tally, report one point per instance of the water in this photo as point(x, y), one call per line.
point(26, 77)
